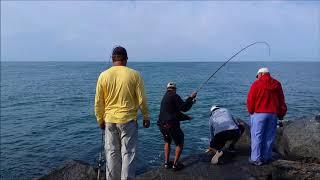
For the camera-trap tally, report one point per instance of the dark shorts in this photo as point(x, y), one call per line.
point(221, 138)
point(172, 133)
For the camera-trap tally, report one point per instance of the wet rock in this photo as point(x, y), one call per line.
point(73, 170)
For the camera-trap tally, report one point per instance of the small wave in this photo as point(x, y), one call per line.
point(203, 139)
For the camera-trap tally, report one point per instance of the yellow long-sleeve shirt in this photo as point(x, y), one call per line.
point(119, 95)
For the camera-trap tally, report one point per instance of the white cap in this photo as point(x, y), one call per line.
point(263, 70)
point(171, 85)
point(214, 107)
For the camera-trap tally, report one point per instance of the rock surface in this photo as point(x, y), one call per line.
point(283, 169)
point(199, 167)
point(245, 139)
point(73, 170)
point(302, 139)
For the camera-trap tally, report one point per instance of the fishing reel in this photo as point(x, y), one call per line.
point(101, 162)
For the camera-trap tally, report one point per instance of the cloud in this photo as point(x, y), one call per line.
point(158, 31)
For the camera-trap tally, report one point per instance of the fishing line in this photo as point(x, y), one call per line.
point(262, 42)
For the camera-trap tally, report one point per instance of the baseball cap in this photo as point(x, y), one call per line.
point(263, 70)
point(171, 85)
point(214, 107)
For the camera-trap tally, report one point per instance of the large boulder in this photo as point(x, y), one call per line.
point(300, 139)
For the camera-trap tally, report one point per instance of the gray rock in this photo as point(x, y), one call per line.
point(245, 139)
point(300, 140)
point(283, 169)
point(73, 170)
point(199, 167)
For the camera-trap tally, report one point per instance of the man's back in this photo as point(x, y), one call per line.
point(171, 105)
point(221, 120)
point(266, 96)
point(123, 92)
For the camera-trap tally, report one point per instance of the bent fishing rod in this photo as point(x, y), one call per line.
point(259, 42)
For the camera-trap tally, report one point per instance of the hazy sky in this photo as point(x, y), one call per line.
point(159, 31)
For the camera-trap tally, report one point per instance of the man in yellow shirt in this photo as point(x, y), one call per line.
point(119, 95)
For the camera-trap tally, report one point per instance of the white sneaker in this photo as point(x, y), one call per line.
point(216, 157)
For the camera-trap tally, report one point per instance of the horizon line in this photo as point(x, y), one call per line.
point(161, 61)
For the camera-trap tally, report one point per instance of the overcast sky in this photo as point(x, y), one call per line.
point(159, 31)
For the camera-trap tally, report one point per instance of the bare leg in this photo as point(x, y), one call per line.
point(178, 153)
point(166, 152)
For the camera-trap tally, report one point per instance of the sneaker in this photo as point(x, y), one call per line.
point(177, 166)
point(168, 165)
point(255, 163)
point(216, 157)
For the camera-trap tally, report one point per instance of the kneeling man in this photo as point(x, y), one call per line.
point(223, 128)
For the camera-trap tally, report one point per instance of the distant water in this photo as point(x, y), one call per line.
point(47, 112)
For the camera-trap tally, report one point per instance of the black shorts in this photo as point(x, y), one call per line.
point(220, 139)
point(172, 133)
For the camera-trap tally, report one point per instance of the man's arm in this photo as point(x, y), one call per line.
point(99, 105)
point(142, 100)
point(185, 106)
point(282, 104)
point(251, 99)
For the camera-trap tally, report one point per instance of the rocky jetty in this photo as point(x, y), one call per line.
point(296, 154)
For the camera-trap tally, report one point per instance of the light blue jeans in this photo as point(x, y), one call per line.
point(120, 146)
point(263, 130)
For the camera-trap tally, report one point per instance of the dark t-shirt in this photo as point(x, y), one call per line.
point(171, 107)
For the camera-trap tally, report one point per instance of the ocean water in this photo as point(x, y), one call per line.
point(47, 112)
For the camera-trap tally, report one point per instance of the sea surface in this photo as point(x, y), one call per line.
point(47, 115)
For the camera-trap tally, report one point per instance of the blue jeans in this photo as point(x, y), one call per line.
point(263, 131)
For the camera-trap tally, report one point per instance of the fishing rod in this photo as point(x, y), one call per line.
point(259, 42)
point(101, 160)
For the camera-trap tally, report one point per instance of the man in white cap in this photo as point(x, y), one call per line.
point(223, 128)
point(266, 104)
point(169, 123)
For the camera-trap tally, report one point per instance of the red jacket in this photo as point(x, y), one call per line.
point(266, 96)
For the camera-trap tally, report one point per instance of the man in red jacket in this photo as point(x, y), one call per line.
point(266, 104)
